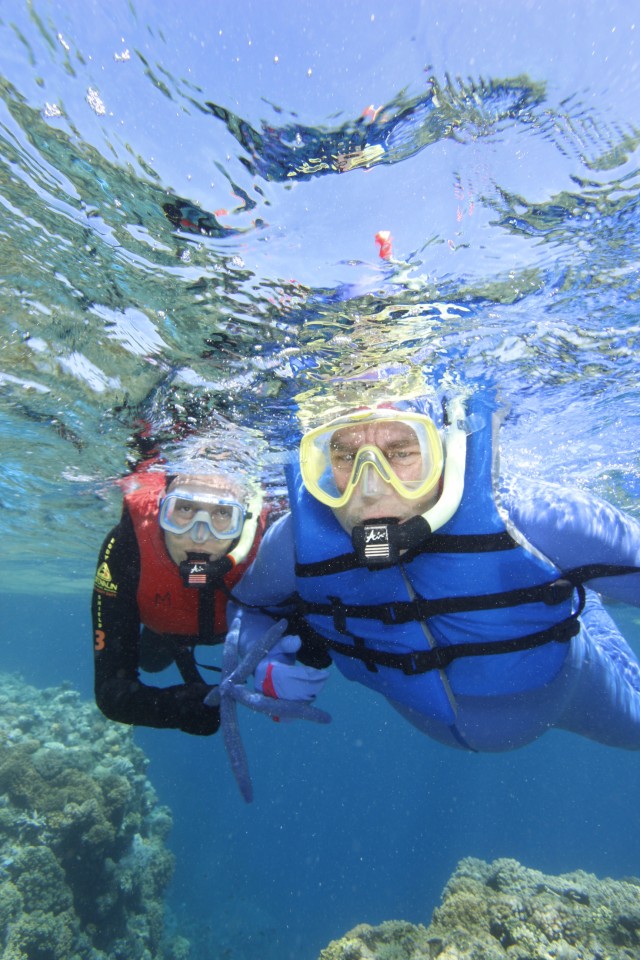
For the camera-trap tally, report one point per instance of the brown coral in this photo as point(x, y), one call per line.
point(83, 862)
point(504, 911)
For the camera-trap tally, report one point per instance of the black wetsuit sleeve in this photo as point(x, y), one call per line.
point(119, 692)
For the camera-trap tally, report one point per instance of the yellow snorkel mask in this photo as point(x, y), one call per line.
point(399, 447)
point(389, 445)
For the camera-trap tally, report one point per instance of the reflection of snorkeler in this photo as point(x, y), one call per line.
point(187, 218)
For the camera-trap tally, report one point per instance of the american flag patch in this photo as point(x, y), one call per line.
point(379, 551)
point(197, 576)
point(197, 579)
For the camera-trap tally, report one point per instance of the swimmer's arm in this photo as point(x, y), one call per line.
point(271, 577)
point(265, 590)
point(573, 528)
point(119, 692)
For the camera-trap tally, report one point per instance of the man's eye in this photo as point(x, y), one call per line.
point(221, 513)
point(341, 457)
point(404, 456)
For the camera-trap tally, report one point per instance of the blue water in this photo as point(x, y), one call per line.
point(498, 144)
point(360, 821)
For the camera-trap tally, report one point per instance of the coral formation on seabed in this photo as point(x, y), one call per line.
point(83, 861)
point(505, 911)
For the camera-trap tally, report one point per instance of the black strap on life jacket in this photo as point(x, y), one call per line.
point(437, 543)
point(209, 594)
point(207, 599)
point(183, 654)
point(594, 571)
point(186, 664)
point(421, 661)
point(437, 658)
point(406, 611)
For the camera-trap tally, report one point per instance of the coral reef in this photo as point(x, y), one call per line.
point(83, 862)
point(504, 911)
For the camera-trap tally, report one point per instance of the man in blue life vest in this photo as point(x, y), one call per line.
point(161, 587)
point(475, 613)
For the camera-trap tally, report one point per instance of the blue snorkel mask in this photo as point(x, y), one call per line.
point(201, 515)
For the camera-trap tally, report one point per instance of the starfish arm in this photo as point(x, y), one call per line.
point(234, 746)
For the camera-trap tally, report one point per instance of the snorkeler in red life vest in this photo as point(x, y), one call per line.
point(161, 587)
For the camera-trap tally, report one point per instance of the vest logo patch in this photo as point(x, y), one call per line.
point(103, 582)
point(377, 542)
point(163, 599)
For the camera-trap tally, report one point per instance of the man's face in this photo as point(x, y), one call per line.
point(372, 496)
point(179, 545)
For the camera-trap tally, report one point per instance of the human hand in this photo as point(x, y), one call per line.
point(280, 677)
point(286, 679)
point(195, 714)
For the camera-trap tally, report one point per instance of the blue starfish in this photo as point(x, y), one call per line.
point(233, 690)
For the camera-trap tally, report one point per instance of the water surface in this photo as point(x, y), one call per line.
point(190, 205)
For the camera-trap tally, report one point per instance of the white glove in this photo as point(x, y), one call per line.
point(279, 676)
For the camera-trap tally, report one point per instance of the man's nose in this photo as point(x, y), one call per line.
point(371, 483)
point(200, 532)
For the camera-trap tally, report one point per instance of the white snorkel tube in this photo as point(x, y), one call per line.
point(455, 446)
point(246, 538)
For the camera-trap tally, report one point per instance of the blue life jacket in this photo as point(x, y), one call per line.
point(497, 613)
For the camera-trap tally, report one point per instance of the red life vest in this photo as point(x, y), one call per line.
point(165, 604)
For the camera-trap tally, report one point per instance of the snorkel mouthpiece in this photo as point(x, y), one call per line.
point(199, 571)
point(374, 542)
point(380, 542)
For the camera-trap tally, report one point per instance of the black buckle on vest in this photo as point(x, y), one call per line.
point(415, 663)
point(393, 614)
point(369, 661)
point(405, 611)
point(339, 614)
point(421, 661)
point(557, 592)
point(388, 615)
